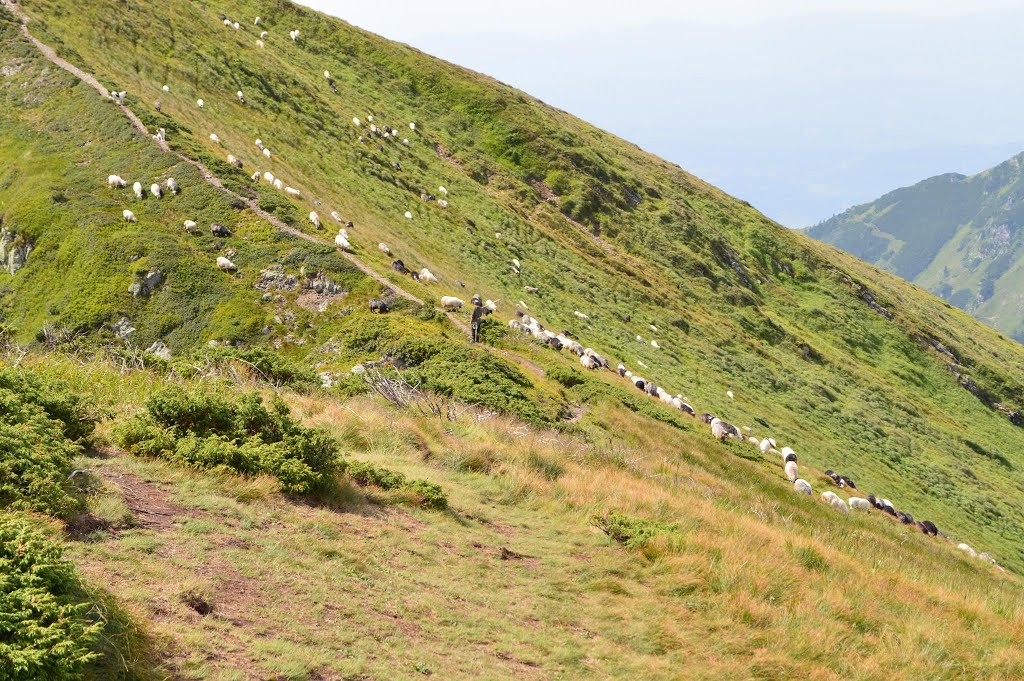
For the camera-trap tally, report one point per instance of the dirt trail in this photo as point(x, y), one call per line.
point(150, 505)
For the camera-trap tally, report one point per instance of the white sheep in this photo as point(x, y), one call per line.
point(327, 75)
point(137, 188)
point(653, 328)
point(408, 215)
point(259, 144)
point(493, 307)
point(269, 177)
point(640, 339)
point(442, 203)
point(335, 216)
point(235, 25)
point(858, 504)
point(405, 142)
point(278, 184)
point(294, 34)
point(968, 550)
point(172, 186)
point(786, 451)
point(803, 487)
point(427, 275)
point(581, 315)
point(589, 362)
point(227, 22)
point(129, 216)
point(412, 126)
point(214, 138)
point(161, 135)
point(654, 344)
point(241, 97)
point(718, 429)
point(315, 219)
point(231, 159)
point(191, 226)
point(728, 393)
point(383, 247)
point(370, 118)
point(257, 22)
point(451, 303)
point(116, 181)
point(791, 471)
point(442, 190)
point(118, 96)
point(292, 191)
point(263, 34)
point(257, 176)
point(154, 189)
point(166, 88)
point(515, 262)
point(266, 152)
point(357, 122)
point(342, 241)
point(225, 264)
point(200, 103)
point(522, 305)
point(766, 444)
point(259, 43)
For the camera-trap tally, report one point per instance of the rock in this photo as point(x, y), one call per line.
point(160, 349)
point(274, 278)
point(14, 251)
point(145, 285)
point(328, 379)
point(358, 369)
point(123, 328)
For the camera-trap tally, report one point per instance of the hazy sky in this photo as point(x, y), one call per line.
point(800, 112)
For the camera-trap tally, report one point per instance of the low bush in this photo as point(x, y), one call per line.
point(426, 494)
point(633, 533)
point(209, 431)
point(44, 630)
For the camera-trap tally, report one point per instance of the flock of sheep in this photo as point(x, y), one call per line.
point(523, 322)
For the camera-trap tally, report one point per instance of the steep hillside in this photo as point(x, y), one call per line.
point(857, 370)
point(959, 237)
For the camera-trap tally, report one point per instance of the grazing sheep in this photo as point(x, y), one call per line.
point(219, 230)
point(408, 215)
point(161, 134)
point(405, 142)
point(357, 123)
point(241, 97)
point(412, 126)
point(172, 186)
point(269, 177)
point(257, 22)
point(227, 22)
point(116, 181)
point(766, 445)
point(858, 504)
point(118, 96)
point(451, 303)
point(129, 216)
point(315, 219)
point(137, 188)
point(928, 527)
point(789, 457)
point(264, 34)
point(621, 369)
point(531, 289)
point(259, 144)
point(442, 190)
point(191, 227)
point(154, 189)
point(166, 88)
point(428, 276)
point(294, 34)
point(987, 557)
point(399, 267)
point(803, 487)
point(257, 176)
point(728, 393)
point(718, 430)
point(225, 264)
point(266, 152)
point(846, 482)
point(342, 241)
point(292, 191)
point(235, 26)
point(839, 505)
point(968, 550)
point(327, 75)
point(278, 184)
point(640, 339)
point(581, 315)
point(588, 362)
point(336, 217)
point(791, 471)
point(157, 105)
point(259, 43)
point(515, 263)
point(200, 103)
point(786, 451)
point(379, 305)
point(654, 344)
point(653, 328)
point(383, 248)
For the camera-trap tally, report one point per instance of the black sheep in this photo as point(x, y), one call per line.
point(379, 305)
point(928, 527)
point(399, 267)
point(791, 457)
point(220, 230)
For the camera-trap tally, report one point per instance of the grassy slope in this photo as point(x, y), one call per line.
point(956, 236)
point(367, 589)
point(810, 362)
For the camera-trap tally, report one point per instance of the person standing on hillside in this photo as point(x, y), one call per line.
point(478, 314)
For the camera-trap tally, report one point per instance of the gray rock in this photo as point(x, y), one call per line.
point(14, 251)
point(145, 285)
point(123, 328)
point(358, 369)
point(160, 349)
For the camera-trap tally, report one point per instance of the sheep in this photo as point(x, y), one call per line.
point(515, 263)
point(292, 191)
point(200, 103)
point(161, 134)
point(154, 189)
point(766, 445)
point(531, 289)
point(588, 362)
point(278, 184)
point(443, 203)
point(928, 527)
point(157, 105)
point(336, 217)
point(442, 190)
point(219, 230)
point(786, 451)
point(226, 265)
point(191, 226)
point(786, 458)
point(263, 34)
point(728, 393)
point(235, 26)
point(678, 403)
point(379, 305)
point(129, 216)
point(259, 144)
point(294, 34)
point(241, 97)
point(342, 241)
point(654, 344)
point(522, 305)
point(859, 504)
point(266, 152)
point(791, 470)
point(257, 176)
point(137, 188)
point(428, 276)
point(399, 267)
point(405, 142)
point(259, 43)
point(116, 181)
point(412, 126)
point(172, 186)
point(718, 430)
point(357, 123)
point(383, 248)
point(621, 369)
point(370, 118)
point(968, 550)
point(653, 328)
point(118, 96)
point(257, 22)
point(803, 487)
point(315, 219)
point(269, 177)
point(640, 339)
point(166, 88)
point(581, 315)
point(451, 303)
point(408, 215)
point(231, 159)
point(227, 22)
point(839, 505)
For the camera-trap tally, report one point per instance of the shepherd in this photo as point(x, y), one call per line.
point(478, 315)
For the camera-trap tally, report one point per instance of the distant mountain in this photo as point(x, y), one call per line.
point(961, 238)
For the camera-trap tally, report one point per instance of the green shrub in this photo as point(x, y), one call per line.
point(566, 376)
point(268, 365)
point(430, 495)
point(57, 400)
point(633, 533)
point(44, 633)
point(208, 431)
point(427, 494)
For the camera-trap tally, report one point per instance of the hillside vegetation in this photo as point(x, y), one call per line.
point(262, 512)
point(959, 237)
